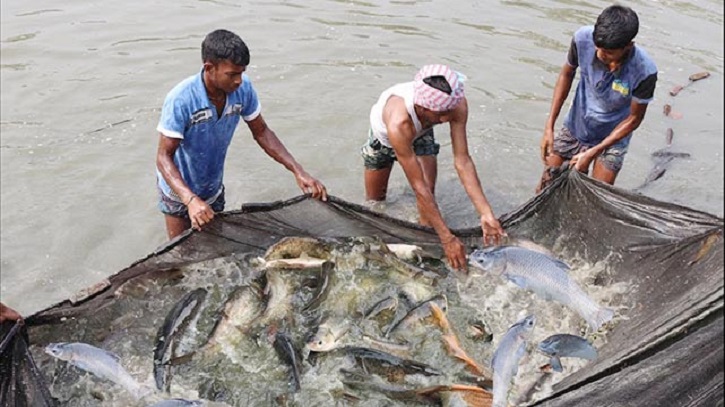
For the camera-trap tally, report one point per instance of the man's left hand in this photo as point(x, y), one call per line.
point(492, 230)
point(311, 185)
point(583, 160)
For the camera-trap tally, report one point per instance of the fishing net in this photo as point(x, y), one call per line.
point(667, 351)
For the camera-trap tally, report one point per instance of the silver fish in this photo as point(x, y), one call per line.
point(328, 334)
point(419, 313)
point(239, 314)
point(386, 304)
point(505, 362)
point(324, 283)
point(565, 345)
point(546, 276)
point(178, 403)
point(97, 361)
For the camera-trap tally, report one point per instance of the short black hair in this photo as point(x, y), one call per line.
point(222, 45)
point(616, 27)
point(438, 82)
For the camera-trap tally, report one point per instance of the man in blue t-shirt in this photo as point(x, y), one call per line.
point(197, 123)
point(617, 83)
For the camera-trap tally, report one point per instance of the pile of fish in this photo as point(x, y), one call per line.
point(354, 321)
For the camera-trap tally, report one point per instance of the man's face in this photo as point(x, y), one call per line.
point(429, 118)
point(225, 75)
point(613, 56)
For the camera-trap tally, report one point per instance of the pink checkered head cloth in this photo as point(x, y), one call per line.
point(432, 98)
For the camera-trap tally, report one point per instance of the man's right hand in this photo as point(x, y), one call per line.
point(455, 253)
point(200, 213)
point(547, 144)
point(8, 314)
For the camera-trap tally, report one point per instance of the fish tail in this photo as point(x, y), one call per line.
point(600, 317)
point(139, 391)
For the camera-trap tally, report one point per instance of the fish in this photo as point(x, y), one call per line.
point(418, 313)
point(290, 355)
point(239, 314)
point(324, 283)
point(666, 153)
point(99, 362)
point(379, 252)
point(458, 395)
point(506, 358)
point(699, 75)
point(387, 363)
point(677, 89)
point(528, 244)
point(565, 345)
point(174, 324)
point(328, 334)
point(398, 349)
point(410, 252)
point(298, 263)
point(657, 171)
point(278, 296)
point(451, 341)
point(386, 304)
point(546, 276)
point(292, 247)
point(479, 331)
point(178, 403)
point(437, 395)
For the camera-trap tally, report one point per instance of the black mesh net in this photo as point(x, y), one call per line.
point(668, 352)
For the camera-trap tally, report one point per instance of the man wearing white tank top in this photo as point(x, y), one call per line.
point(401, 129)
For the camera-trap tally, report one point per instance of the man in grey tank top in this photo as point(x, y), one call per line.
point(402, 130)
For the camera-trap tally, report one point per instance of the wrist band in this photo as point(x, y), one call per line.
point(190, 199)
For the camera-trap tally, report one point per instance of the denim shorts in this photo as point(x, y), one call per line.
point(376, 156)
point(567, 146)
point(177, 209)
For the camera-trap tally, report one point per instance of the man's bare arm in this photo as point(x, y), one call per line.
point(166, 166)
point(463, 162)
point(271, 144)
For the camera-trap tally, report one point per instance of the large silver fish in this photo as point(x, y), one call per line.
point(505, 362)
point(546, 276)
point(565, 345)
point(97, 361)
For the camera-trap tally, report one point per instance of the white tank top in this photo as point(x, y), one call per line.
point(377, 126)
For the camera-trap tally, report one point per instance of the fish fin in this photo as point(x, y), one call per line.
point(559, 263)
point(112, 355)
point(519, 281)
point(555, 363)
point(142, 392)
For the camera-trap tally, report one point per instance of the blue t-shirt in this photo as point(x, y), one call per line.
point(188, 115)
point(603, 98)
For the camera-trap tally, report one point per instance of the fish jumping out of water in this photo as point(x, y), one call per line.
point(565, 345)
point(505, 362)
point(99, 362)
point(546, 276)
